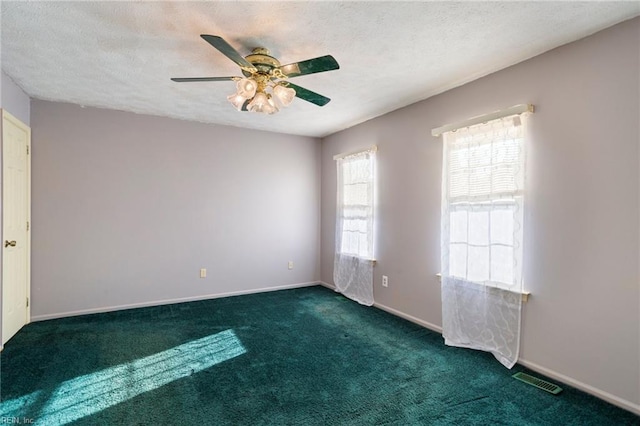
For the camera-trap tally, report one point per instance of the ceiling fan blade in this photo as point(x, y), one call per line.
point(190, 79)
point(310, 66)
point(227, 50)
point(308, 95)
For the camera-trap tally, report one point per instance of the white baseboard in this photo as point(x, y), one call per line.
point(168, 301)
point(408, 317)
point(397, 313)
point(327, 285)
point(610, 398)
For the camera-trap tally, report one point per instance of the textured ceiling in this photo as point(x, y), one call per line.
point(120, 55)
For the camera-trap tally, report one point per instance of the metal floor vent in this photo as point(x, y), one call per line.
point(541, 384)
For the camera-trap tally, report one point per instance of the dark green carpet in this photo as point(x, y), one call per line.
point(296, 357)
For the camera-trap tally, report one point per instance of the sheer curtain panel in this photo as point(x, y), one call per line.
point(353, 265)
point(482, 232)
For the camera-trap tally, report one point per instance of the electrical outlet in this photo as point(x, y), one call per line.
point(385, 281)
point(203, 273)
point(290, 264)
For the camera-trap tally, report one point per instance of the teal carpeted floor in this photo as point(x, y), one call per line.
point(297, 357)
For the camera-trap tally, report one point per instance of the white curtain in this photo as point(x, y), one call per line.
point(482, 233)
point(353, 266)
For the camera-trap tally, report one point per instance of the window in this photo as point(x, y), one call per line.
point(483, 184)
point(353, 265)
point(482, 232)
point(355, 204)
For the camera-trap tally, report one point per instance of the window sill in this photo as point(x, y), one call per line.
point(525, 294)
point(373, 261)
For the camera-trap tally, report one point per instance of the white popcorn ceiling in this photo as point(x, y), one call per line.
point(121, 55)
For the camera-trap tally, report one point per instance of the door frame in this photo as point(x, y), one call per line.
point(9, 117)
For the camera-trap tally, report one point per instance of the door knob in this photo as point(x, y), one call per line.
point(10, 243)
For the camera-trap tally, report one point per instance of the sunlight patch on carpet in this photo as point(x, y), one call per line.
point(91, 393)
point(14, 408)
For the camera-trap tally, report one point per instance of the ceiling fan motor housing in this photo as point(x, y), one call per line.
point(262, 60)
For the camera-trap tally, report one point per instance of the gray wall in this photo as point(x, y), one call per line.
point(582, 217)
point(14, 100)
point(127, 208)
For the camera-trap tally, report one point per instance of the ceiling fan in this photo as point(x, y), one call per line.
point(265, 79)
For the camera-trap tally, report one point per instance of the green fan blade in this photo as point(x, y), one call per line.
point(231, 53)
point(310, 66)
point(308, 95)
point(189, 79)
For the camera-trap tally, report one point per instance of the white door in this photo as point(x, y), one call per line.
point(16, 141)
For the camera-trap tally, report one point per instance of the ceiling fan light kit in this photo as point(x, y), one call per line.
point(260, 92)
point(246, 88)
point(284, 94)
point(265, 79)
point(237, 101)
point(263, 103)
